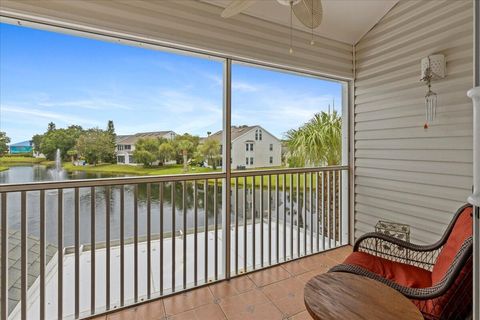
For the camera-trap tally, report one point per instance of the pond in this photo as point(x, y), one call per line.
point(30, 173)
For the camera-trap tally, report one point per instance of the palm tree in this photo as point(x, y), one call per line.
point(318, 142)
point(184, 146)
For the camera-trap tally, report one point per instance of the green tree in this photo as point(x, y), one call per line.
point(210, 150)
point(185, 147)
point(37, 142)
point(72, 153)
point(146, 151)
point(166, 152)
point(112, 141)
point(63, 139)
point(4, 141)
point(316, 143)
point(51, 126)
point(93, 146)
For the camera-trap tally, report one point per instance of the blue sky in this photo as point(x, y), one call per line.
point(46, 76)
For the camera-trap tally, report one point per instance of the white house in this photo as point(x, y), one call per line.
point(252, 147)
point(126, 144)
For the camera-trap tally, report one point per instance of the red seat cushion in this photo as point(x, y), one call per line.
point(462, 230)
point(403, 274)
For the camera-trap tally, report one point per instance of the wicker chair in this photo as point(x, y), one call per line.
point(439, 276)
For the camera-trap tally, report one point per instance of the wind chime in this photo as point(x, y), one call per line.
point(433, 68)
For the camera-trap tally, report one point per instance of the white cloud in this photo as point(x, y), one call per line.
point(35, 114)
point(93, 104)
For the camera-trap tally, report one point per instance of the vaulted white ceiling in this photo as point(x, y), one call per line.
point(343, 20)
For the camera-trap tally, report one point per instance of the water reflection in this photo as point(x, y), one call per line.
point(41, 173)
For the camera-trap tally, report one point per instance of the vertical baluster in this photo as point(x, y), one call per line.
point(323, 210)
point(42, 254)
point(77, 252)
point(135, 242)
point(311, 212)
point(215, 219)
point(269, 208)
point(161, 244)
point(24, 263)
point(299, 214)
point(236, 224)
point(184, 205)
point(60, 253)
point(317, 208)
point(277, 219)
point(261, 222)
point(340, 206)
point(304, 211)
point(334, 210)
point(92, 250)
point(205, 201)
point(122, 245)
point(284, 217)
point(4, 259)
point(149, 239)
point(291, 216)
point(195, 233)
point(329, 229)
point(107, 247)
point(173, 235)
point(245, 224)
point(254, 227)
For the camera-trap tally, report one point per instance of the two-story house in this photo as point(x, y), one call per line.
point(252, 147)
point(125, 144)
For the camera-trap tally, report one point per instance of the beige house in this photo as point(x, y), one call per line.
point(126, 144)
point(252, 147)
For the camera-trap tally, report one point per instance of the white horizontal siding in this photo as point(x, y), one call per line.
point(403, 172)
point(198, 25)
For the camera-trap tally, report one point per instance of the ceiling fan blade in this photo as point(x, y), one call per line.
point(303, 12)
point(235, 7)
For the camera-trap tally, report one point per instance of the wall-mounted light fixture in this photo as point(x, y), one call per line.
point(433, 68)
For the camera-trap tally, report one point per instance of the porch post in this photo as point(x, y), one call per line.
point(226, 165)
point(474, 199)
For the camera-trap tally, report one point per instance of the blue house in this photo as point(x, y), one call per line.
point(21, 147)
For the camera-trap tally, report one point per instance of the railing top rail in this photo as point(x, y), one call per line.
point(101, 182)
point(248, 173)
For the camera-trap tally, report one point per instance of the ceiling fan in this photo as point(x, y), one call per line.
point(308, 12)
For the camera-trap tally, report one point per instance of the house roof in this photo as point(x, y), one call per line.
point(131, 139)
point(27, 143)
point(237, 131)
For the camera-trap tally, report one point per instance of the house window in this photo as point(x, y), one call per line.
point(251, 146)
point(120, 147)
point(251, 160)
point(221, 149)
point(256, 134)
point(131, 159)
point(271, 160)
point(128, 147)
point(121, 159)
point(247, 146)
point(246, 161)
point(259, 134)
point(271, 146)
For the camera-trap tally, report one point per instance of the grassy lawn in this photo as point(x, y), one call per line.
point(135, 170)
point(178, 169)
point(8, 161)
point(2, 168)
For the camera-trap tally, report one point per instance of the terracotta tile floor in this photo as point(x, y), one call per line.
point(273, 293)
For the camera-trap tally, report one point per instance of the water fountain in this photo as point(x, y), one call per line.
point(57, 173)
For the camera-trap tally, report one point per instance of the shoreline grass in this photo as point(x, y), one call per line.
point(20, 160)
point(2, 168)
point(135, 170)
